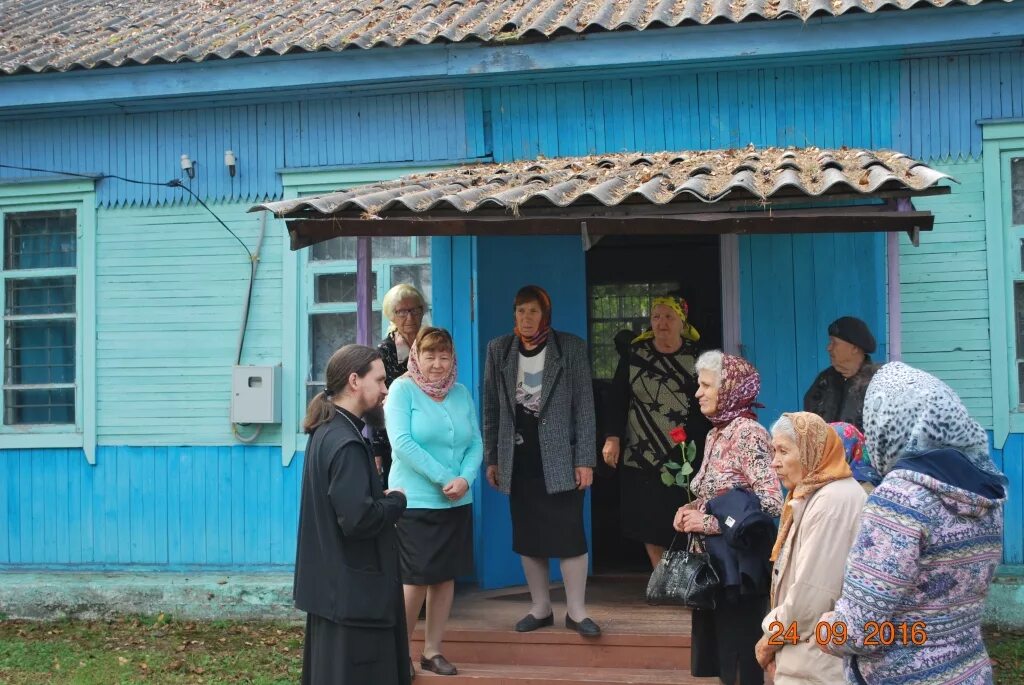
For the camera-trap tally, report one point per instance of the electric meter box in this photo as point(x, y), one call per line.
point(256, 394)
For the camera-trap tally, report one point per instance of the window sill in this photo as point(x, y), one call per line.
point(29, 439)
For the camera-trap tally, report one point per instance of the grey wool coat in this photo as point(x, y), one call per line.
point(566, 422)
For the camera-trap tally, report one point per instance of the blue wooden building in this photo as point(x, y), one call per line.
point(124, 295)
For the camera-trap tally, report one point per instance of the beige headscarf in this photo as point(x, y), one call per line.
point(823, 458)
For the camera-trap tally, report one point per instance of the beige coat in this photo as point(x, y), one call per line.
point(808, 578)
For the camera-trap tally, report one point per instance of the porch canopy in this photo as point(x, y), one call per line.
point(749, 190)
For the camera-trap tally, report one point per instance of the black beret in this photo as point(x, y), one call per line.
point(854, 331)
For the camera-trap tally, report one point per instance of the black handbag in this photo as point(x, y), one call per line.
point(684, 577)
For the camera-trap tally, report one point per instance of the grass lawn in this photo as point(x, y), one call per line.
point(147, 650)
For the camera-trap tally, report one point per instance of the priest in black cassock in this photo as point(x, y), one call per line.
point(346, 566)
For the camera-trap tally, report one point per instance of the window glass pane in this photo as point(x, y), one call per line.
point(40, 240)
point(341, 249)
point(39, 352)
point(417, 274)
point(328, 332)
point(23, 407)
point(1017, 190)
point(340, 287)
point(26, 296)
point(423, 246)
point(334, 249)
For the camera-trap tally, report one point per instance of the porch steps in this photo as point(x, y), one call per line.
point(556, 655)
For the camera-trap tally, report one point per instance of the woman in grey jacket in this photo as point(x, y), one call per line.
point(539, 447)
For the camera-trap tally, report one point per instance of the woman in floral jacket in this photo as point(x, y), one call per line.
point(929, 541)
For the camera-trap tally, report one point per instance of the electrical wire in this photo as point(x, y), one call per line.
point(176, 183)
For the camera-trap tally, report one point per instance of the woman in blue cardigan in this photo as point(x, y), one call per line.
point(437, 451)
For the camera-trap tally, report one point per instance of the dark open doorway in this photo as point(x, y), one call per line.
point(623, 275)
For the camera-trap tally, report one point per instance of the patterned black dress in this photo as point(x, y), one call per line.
point(652, 394)
point(393, 369)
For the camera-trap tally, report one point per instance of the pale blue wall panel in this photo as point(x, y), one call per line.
point(171, 283)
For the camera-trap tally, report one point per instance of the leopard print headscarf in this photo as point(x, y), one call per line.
point(907, 410)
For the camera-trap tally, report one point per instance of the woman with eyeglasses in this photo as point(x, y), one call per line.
point(404, 306)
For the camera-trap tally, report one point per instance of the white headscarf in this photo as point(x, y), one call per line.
point(907, 411)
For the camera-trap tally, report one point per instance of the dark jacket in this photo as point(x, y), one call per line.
point(346, 564)
point(835, 398)
point(567, 424)
point(741, 553)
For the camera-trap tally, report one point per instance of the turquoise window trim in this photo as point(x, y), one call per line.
point(79, 195)
point(999, 138)
point(295, 289)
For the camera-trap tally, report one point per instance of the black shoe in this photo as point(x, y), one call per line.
point(586, 627)
point(438, 664)
point(530, 622)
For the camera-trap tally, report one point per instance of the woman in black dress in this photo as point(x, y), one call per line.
point(404, 306)
point(652, 397)
point(539, 446)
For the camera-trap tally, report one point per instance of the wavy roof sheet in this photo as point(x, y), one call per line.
point(610, 180)
point(61, 35)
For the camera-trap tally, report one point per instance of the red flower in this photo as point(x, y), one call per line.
point(678, 435)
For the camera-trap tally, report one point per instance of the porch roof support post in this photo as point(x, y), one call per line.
point(892, 262)
point(364, 290)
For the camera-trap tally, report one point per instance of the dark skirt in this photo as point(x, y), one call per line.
point(543, 525)
point(648, 506)
point(334, 654)
point(435, 545)
point(723, 639)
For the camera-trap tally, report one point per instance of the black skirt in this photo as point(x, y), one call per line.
point(435, 545)
point(334, 654)
point(648, 506)
point(723, 639)
point(543, 525)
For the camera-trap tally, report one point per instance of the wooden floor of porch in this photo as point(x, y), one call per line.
point(639, 644)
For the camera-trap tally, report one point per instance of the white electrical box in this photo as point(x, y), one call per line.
point(256, 394)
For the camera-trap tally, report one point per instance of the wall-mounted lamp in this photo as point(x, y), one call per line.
point(230, 162)
point(188, 167)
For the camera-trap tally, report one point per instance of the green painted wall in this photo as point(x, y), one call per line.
point(170, 285)
point(944, 291)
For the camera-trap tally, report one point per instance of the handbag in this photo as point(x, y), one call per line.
point(684, 577)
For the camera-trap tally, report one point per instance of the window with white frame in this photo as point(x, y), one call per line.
point(39, 282)
point(330, 287)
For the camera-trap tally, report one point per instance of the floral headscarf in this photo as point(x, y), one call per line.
point(740, 384)
point(907, 410)
point(823, 459)
point(437, 390)
point(857, 455)
point(682, 310)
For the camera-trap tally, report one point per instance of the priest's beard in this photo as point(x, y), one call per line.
point(375, 417)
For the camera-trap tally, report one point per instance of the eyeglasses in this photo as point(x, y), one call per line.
point(406, 313)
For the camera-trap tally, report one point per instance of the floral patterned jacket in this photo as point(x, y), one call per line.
point(737, 454)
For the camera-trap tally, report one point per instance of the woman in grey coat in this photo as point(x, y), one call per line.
point(539, 447)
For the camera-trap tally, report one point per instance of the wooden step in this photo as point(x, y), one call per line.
point(557, 646)
point(502, 674)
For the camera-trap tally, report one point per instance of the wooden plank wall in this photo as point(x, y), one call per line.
point(148, 146)
point(944, 292)
point(163, 507)
point(170, 285)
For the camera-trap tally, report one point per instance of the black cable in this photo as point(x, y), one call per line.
point(173, 183)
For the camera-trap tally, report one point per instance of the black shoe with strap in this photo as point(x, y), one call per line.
point(586, 627)
point(530, 623)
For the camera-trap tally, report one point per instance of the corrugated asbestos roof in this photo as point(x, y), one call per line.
point(610, 180)
point(60, 35)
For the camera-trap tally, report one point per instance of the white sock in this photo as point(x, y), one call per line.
point(574, 575)
point(539, 580)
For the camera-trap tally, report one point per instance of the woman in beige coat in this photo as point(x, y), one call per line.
point(819, 524)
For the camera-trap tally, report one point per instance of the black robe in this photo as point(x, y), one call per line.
point(835, 398)
point(346, 565)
